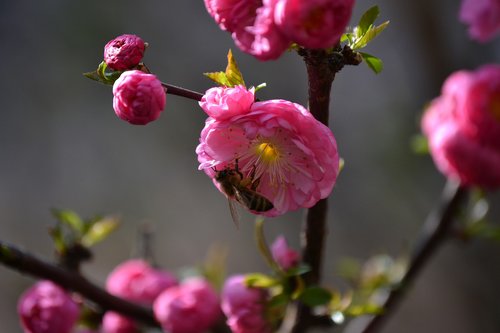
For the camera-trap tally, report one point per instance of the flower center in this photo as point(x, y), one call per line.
point(267, 152)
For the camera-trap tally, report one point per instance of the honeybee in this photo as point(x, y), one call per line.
point(242, 190)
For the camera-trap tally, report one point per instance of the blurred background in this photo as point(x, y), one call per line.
point(62, 146)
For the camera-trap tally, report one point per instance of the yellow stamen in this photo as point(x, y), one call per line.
point(268, 153)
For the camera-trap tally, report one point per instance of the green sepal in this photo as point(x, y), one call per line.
point(259, 280)
point(375, 64)
point(315, 296)
point(231, 77)
point(103, 75)
point(99, 230)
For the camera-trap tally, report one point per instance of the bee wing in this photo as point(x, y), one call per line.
point(234, 213)
point(252, 200)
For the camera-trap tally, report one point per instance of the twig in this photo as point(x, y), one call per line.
point(178, 91)
point(28, 264)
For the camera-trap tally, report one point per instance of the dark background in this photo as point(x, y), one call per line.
point(62, 146)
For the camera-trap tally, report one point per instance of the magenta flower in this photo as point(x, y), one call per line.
point(137, 281)
point(285, 256)
point(191, 307)
point(124, 52)
point(138, 98)
point(47, 308)
point(113, 322)
point(313, 23)
point(244, 307)
point(232, 14)
point(282, 144)
point(482, 17)
point(222, 103)
point(463, 127)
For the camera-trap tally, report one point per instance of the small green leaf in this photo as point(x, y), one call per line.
point(373, 62)
point(69, 218)
point(365, 309)
point(368, 36)
point(233, 73)
point(218, 77)
point(368, 19)
point(258, 280)
point(58, 238)
point(419, 144)
point(299, 270)
point(103, 75)
point(99, 230)
point(260, 86)
point(314, 296)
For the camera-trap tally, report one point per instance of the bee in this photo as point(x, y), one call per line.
point(242, 190)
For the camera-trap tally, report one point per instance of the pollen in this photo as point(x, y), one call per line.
point(267, 152)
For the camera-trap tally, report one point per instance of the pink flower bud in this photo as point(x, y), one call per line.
point(313, 23)
point(285, 256)
point(482, 17)
point(124, 52)
point(113, 322)
point(463, 127)
point(191, 307)
point(223, 103)
point(47, 308)
point(137, 281)
point(138, 98)
point(244, 306)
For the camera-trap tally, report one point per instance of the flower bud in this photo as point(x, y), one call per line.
point(124, 52)
point(482, 17)
point(222, 103)
point(285, 256)
point(191, 307)
point(47, 308)
point(138, 98)
point(137, 281)
point(113, 322)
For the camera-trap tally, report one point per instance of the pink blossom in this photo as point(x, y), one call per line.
point(244, 306)
point(47, 308)
point(191, 307)
point(482, 17)
point(137, 281)
point(313, 23)
point(124, 52)
point(232, 14)
point(138, 98)
point(113, 322)
point(463, 127)
point(285, 256)
point(223, 103)
point(292, 154)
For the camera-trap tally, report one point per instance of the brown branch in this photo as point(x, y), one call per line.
point(178, 91)
point(29, 264)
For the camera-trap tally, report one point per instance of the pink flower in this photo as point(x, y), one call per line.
point(223, 103)
point(232, 14)
point(244, 306)
point(292, 154)
point(191, 307)
point(124, 52)
point(138, 98)
point(113, 322)
point(137, 281)
point(47, 308)
point(482, 17)
point(463, 127)
point(285, 256)
point(313, 23)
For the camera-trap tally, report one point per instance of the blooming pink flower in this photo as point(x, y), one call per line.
point(138, 98)
point(294, 155)
point(113, 322)
point(47, 308)
point(137, 281)
point(463, 127)
point(223, 103)
point(313, 23)
point(232, 14)
point(285, 256)
point(244, 306)
point(191, 307)
point(124, 52)
point(482, 17)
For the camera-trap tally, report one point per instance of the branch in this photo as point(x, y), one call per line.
point(433, 234)
point(178, 91)
point(28, 264)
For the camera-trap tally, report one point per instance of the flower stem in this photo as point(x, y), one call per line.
point(178, 91)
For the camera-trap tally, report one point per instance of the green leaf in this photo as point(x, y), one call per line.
point(299, 270)
point(69, 218)
point(258, 280)
point(315, 296)
point(231, 77)
point(367, 19)
point(368, 36)
point(373, 62)
point(420, 144)
point(103, 75)
point(219, 78)
point(58, 238)
point(365, 309)
point(260, 86)
point(278, 301)
point(100, 230)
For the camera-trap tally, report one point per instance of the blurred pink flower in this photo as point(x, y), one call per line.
point(482, 17)
point(191, 307)
point(463, 127)
point(124, 52)
point(138, 98)
point(232, 14)
point(47, 308)
point(294, 155)
point(244, 307)
point(313, 23)
point(222, 103)
point(113, 322)
point(137, 281)
point(285, 256)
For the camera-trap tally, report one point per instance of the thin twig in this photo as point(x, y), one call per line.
point(178, 91)
point(29, 264)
